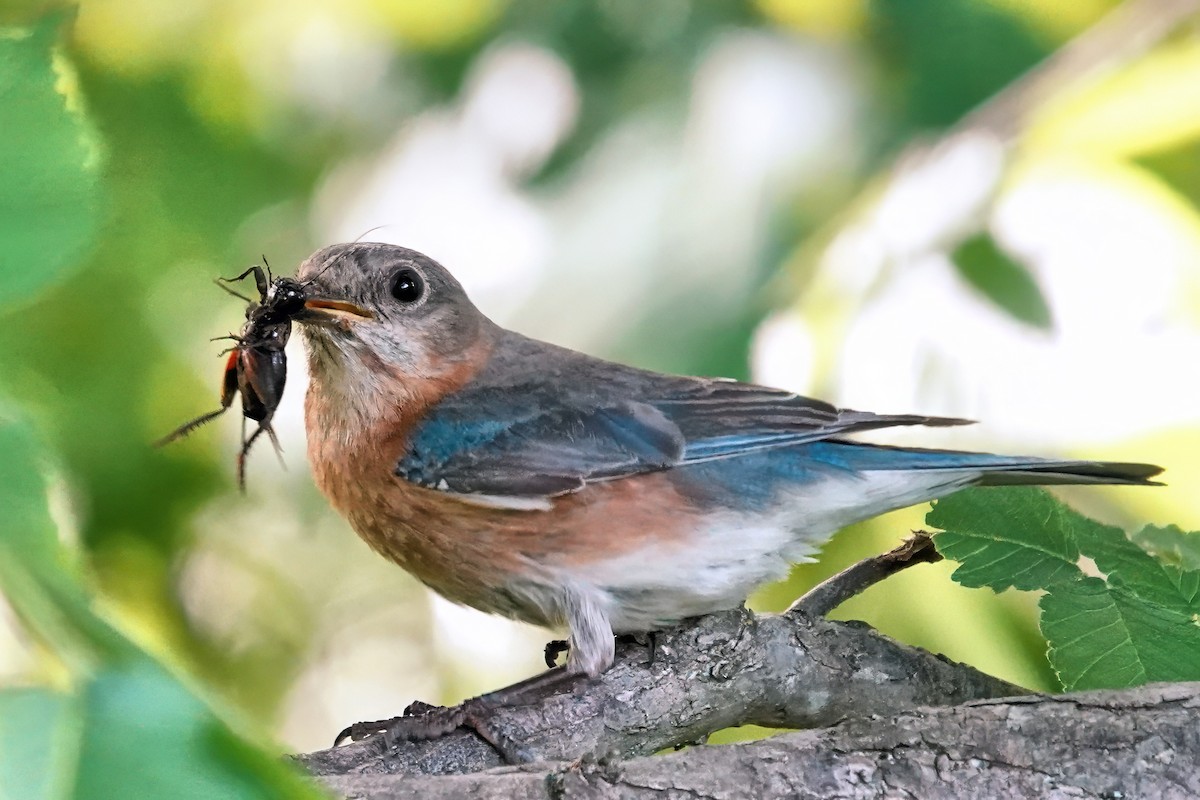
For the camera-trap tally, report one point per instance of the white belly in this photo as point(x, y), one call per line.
point(736, 552)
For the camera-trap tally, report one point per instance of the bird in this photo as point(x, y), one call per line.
point(539, 483)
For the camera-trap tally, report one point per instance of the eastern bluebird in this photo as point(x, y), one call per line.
point(532, 481)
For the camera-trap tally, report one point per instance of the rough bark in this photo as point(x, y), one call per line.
point(1136, 743)
point(724, 670)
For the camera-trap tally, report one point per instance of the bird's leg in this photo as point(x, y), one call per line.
point(423, 721)
point(647, 639)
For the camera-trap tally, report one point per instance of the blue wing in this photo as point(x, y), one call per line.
point(526, 440)
point(525, 449)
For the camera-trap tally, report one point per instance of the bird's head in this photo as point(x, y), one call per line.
point(372, 306)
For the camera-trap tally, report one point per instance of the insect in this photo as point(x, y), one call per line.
point(257, 363)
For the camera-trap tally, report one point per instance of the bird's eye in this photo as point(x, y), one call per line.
point(407, 286)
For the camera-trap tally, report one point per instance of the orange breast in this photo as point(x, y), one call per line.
point(472, 554)
point(469, 553)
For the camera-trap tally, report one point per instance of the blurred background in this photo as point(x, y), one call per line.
point(980, 208)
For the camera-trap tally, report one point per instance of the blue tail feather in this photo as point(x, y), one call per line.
point(756, 479)
point(996, 469)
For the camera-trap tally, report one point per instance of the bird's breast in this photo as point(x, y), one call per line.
point(512, 561)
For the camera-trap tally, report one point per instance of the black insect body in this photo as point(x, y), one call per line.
point(257, 363)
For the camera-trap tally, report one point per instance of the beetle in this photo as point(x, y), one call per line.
point(257, 364)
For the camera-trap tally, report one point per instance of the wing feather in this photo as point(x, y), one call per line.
point(529, 441)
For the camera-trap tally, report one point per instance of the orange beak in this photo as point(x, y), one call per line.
point(338, 309)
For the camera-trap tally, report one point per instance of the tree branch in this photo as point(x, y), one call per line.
point(831, 593)
point(1136, 743)
point(944, 734)
point(724, 670)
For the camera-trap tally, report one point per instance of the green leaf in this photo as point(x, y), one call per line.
point(36, 745)
point(143, 734)
point(1004, 281)
point(1171, 545)
point(1139, 621)
point(1129, 567)
point(1007, 536)
point(48, 157)
point(28, 525)
point(1104, 637)
point(37, 574)
point(133, 731)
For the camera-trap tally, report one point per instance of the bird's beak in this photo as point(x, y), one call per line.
point(329, 309)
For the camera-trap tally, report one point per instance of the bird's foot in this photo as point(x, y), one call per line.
point(422, 721)
point(648, 640)
point(554, 649)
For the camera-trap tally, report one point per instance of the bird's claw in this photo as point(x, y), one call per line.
point(554, 649)
point(422, 721)
point(362, 730)
point(648, 640)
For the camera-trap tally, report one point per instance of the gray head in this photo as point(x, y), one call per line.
point(382, 306)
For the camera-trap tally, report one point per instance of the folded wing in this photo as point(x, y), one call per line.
point(525, 441)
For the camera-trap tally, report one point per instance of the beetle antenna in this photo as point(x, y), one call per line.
point(321, 272)
point(368, 230)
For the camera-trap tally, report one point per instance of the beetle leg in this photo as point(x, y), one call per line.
point(233, 292)
point(260, 280)
point(247, 444)
point(229, 385)
point(266, 425)
point(191, 425)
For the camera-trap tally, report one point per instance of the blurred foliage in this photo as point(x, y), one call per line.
point(1134, 624)
point(1002, 280)
point(1171, 546)
point(122, 726)
point(181, 142)
point(48, 163)
point(948, 57)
